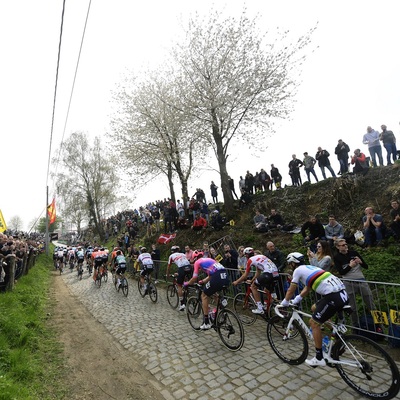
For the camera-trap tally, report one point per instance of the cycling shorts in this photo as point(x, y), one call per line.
point(183, 272)
point(267, 280)
point(98, 262)
point(61, 259)
point(218, 280)
point(121, 269)
point(146, 270)
point(329, 305)
point(81, 260)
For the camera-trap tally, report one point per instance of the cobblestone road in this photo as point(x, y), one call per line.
point(188, 364)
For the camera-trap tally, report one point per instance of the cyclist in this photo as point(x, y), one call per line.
point(146, 264)
point(97, 258)
point(60, 257)
point(217, 278)
point(334, 297)
point(266, 276)
point(184, 270)
point(80, 255)
point(71, 255)
point(120, 265)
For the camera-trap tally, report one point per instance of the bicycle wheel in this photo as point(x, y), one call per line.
point(243, 305)
point(230, 329)
point(271, 309)
point(376, 374)
point(142, 292)
point(153, 292)
point(105, 276)
point(194, 312)
point(98, 279)
point(289, 343)
point(172, 296)
point(124, 287)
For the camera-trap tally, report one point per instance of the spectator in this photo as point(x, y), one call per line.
point(333, 230)
point(230, 262)
point(371, 138)
point(294, 170)
point(275, 220)
point(323, 256)
point(395, 215)
point(349, 264)
point(231, 184)
point(204, 211)
point(279, 259)
point(126, 241)
point(244, 200)
point(257, 183)
point(360, 162)
point(217, 222)
point(276, 177)
point(260, 223)
point(156, 257)
point(322, 157)
point(249, 181)
point(180, 209)
point(188, 253)
point(373, 227)
point(312, 231)
point(182, 223)
point(199, 223)
point(242, 184)
point(214, 192)
point(389, 142)
point(309, 163)
point(206, 250)
point(242, 259)
point(265, 180)
point(342, 151)
point(156, 217)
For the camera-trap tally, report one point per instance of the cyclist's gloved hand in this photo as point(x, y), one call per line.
point(297, 300)
point(185, 284)
point(200, 282)
point(285, 303)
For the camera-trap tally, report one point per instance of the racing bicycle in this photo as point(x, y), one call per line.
point(123, 284)
point(148, 288)
point(363, 364)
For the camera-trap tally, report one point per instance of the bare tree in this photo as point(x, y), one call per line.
point(235, 81)
point(15, 223)
point(88, 181)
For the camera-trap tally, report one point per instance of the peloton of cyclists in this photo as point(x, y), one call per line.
point(184, 271)
point(334, 297)
point(217, 278)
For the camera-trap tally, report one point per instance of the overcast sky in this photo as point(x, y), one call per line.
point(351, 81)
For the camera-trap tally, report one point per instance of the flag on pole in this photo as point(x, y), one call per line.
point(51, 210)
point(3, 225)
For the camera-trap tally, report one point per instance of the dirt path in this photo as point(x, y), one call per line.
point(97, 367)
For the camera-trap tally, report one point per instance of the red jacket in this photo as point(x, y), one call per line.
point(200, 222)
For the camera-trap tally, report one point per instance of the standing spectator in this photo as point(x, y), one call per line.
point(389, 142)
point(312, 231)
point(244, 200)
point(294, 170)
point(188, 253)
point(373, 227)
point(349, 264)
point(214, 192)
point(231, 184)
point(342, 151)
point(230, 262)
point(395, 214)
point(360, 162)
point(126, 241)
point(333, 231)
point(156, 257)
point(180, 209)
point(371, 138)
point(265, 180)
point(249, 181)
point(309, 163)
point(204, 211)
point(322, 157)
point(276, 177)
point(279, 259)
point(257, 183)
point(242, 184)
point(155, 213)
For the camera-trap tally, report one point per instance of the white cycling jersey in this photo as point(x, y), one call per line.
point(145, 259)
point(179, 259)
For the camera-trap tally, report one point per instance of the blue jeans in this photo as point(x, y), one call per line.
point(308, 170)
point(391, 151)
point(344, 165)
point(329, 169)
point(369, 232)
point(376, 151)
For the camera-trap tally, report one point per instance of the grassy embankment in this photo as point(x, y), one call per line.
point(30, 356)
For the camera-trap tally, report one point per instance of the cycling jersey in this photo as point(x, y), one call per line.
point(319, 280)
point(208, 265)
point(145, 259)
point(262, 263)
point(179, 259)
point(120, 261)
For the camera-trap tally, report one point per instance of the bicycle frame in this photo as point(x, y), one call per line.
point(336, 333)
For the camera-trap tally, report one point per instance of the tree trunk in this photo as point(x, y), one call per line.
point(170, 183)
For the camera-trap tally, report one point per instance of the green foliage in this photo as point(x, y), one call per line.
point(29, 361)
point(383, 264)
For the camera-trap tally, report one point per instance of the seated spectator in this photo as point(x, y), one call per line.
point(182, 223)
point(244, 200)
point(360, 162)
point(322, 258)
point(374, 227)
point(312, 231)
point(217, 221)
point(275, 220)
point(199, 223)
point(333, 230)
point(395, 215)
point(260, 223)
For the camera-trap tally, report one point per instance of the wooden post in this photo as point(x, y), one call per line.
point(10, 272)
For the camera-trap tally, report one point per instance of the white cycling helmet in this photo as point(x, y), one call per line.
point(248, 251)
point(295, 257)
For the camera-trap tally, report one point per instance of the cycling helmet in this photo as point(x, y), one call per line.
point(175, 249)
point(295, 257)
point(197, 254)
point(248, 251)
point(143, 249)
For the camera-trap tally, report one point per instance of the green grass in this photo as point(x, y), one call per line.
point(30, 357)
